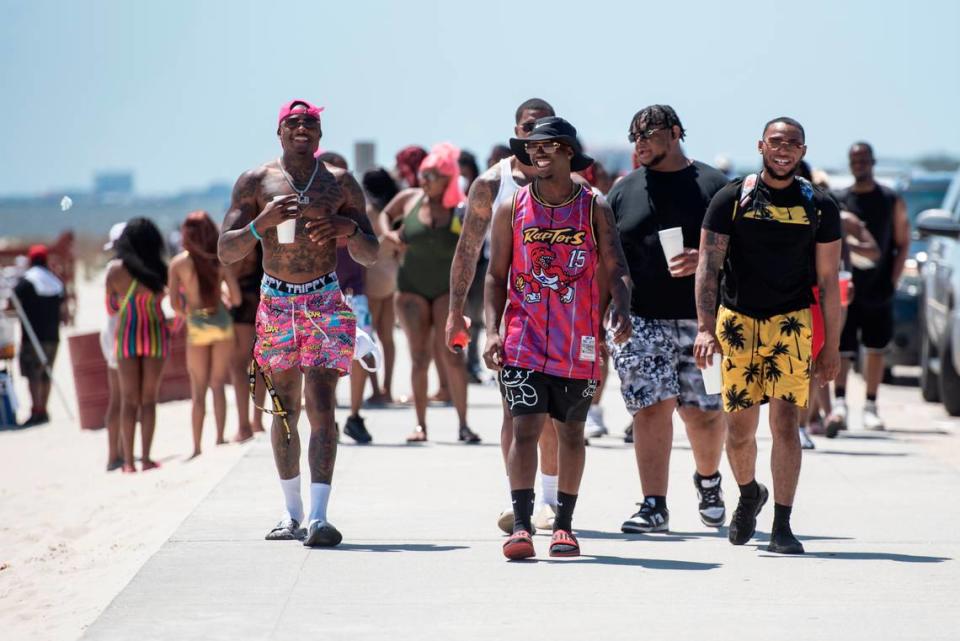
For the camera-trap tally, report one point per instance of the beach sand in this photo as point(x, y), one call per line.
point(71, 535)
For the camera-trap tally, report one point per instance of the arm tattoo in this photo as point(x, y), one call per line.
point(363, 245)
point(713, 250)
point(475, 225)
point(615, 263)
point(236, 241)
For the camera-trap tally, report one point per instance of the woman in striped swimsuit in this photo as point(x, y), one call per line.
point(135, 288)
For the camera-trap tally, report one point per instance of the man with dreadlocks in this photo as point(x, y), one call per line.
point(774, 238)
point(656, 366)
point(305, 330)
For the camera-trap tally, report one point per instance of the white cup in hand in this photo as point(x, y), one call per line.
point(712, 377)
point(672, 242)
point(286, 231)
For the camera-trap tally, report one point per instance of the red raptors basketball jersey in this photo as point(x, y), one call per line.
point(552, 320)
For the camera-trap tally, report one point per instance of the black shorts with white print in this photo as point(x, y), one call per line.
point(529, 392)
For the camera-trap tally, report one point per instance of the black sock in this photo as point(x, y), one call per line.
point(658, 502)
point(522, 509)
point(750, 491)
point(872, 398)
point(781, 515)
point(839, 392)
point(565, 504)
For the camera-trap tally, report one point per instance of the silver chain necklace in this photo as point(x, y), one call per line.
point(301, 198)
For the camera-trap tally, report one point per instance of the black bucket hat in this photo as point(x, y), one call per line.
point(552, 128)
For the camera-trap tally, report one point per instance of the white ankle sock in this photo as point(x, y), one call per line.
point(291, 496)
point(548, 487)
point(319, 496)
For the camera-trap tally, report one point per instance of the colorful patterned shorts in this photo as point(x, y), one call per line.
point(764, 358)
point(314, 329)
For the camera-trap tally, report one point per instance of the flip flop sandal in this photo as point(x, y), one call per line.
point(322, 535)
point(468, 436)
point(286, 530)
point(419, 435)
point(519, 546)
point(564, 543)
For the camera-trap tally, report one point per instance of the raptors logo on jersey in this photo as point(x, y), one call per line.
point(545, 274)
point(552, 320)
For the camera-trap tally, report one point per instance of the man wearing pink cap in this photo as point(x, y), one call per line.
point(304, 329)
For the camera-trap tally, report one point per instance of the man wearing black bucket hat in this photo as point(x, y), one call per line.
point(542, 287)
point(497, 185)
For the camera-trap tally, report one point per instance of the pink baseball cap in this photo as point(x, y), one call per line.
point(298, 107)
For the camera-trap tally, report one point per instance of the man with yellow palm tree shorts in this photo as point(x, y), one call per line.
point(764, 358)
point(767, 241)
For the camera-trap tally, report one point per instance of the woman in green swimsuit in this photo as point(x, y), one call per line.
point(426, 222)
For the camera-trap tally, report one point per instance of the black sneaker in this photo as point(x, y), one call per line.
point(782, 541)
point(468, 436)
point(647, 519)
point(743, 525)
point(713, 511)
point(355, 429)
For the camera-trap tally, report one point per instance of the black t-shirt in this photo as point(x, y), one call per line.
point(875, 208)
point(43, 312)
point(646, 202)
point(770, 267)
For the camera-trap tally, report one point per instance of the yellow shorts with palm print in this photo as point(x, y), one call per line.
point(764, 358)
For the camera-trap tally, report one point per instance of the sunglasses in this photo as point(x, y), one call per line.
point(776, 144)
point(429, 176)
point(306, 123)
point(528, 126)
point(634, 136)
point(548, 147)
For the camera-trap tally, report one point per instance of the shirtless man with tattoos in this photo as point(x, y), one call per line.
point(304, 329)
point(495, 186)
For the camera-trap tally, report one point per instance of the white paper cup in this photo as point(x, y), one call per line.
point(712, 379)
point(672, 242)
point(286, 231)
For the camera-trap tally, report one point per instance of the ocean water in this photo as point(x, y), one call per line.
point(90, 217)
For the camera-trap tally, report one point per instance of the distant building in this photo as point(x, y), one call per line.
point(113, 184)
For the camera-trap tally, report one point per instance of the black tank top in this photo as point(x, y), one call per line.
point(875, 208)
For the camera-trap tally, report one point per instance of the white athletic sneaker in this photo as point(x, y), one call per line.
point(871, 420)
point(805, 441)
point(837, 420)
point(505, 521)
point(594, 426)
point(543, 519)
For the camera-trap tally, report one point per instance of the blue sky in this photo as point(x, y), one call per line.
point(185, 93)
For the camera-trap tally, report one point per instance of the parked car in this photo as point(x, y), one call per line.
point(940, 311)
point(920, 192)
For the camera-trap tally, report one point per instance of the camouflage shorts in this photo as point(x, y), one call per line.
point(657, 364)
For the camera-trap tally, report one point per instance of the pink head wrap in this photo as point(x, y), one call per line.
point(298, 107)
point(443, 157)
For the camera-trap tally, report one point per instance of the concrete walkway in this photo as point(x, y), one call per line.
point(421, 554)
